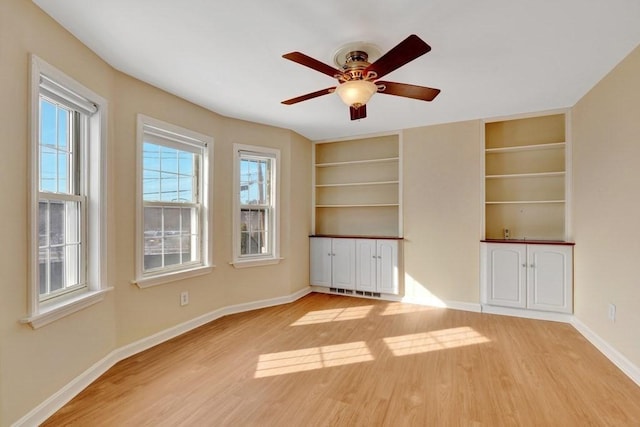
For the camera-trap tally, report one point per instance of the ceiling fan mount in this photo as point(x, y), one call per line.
point(360, 66)
point(351, 53)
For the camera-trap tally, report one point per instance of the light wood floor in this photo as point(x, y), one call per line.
point(342, 361)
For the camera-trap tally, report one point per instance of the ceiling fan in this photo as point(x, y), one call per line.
point(358, 79)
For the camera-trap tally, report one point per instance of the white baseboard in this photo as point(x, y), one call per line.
point(40, 413)
point(47, 408)
point(528, 314)
point(624, 364)
point(153, 340)
point(352, 293)
point(430, 302)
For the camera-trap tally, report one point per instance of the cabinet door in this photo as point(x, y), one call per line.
point(506, 275)
point(366, 265)
point(387, 266)
point(343, 272)
point(550, 278)
point(320, 254)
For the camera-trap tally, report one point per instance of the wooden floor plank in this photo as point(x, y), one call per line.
point(335, 360)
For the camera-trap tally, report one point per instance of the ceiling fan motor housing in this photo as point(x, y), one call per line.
point(354, 66)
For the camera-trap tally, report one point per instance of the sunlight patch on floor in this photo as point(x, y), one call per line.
point(403, 308)
point(334, 315)
point(436, 340)
point(308, 359)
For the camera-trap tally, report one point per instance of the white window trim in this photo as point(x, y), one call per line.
point(43, 313)
point(256, 260)
point(165, 130)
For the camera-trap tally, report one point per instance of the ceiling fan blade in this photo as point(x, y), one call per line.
point(358, 113)
point(314, 64)
point(309, 96)
point(408, 91)
point(406, 51)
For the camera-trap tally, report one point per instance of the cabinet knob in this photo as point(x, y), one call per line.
point(524, 265)
point(532, 265)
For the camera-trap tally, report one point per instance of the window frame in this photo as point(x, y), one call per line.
point(174, 136)
point(239, 260)
point(48, 81)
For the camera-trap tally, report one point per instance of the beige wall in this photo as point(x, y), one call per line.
point(442, 212)
point(298, 224)
point(34, 364)
point(606, 181)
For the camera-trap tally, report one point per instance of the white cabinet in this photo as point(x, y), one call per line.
point(333, 262)
point(363, 265)
point(550, 278)
point(506, 278)
point(377, 265)
point(528, 276)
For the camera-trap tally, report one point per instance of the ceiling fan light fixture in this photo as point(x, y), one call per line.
point(356, 93)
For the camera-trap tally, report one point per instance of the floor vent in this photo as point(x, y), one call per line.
point(341, 291)
point(352, 292)
point(369, 294)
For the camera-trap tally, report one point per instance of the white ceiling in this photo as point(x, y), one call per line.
point(490, 58)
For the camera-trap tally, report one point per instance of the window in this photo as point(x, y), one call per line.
point(256, 206)
point(173, 218)
point(67, 215)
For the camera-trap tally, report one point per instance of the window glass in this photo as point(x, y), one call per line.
point(60, 218)
point(173, 203)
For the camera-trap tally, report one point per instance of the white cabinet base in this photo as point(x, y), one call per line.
point(526, 276)
point(355, 266)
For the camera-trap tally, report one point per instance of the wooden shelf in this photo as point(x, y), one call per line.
point(356, 184)
point(514, 148)
point(526, 175)
point(373, 205)
point(523, 202)
point(356, 162)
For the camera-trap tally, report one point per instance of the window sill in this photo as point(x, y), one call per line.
point(58, 310)
point(147, 282)
point(255, 262)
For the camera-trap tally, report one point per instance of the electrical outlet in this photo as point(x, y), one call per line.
point(184, 298)
point(612, 312)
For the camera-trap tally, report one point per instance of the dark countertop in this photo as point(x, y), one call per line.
point(529, 242)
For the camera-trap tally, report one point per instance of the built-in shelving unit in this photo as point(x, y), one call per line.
point(526, 182)
point(357, 187)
